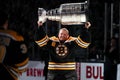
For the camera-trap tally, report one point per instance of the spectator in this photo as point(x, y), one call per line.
point(93, 53)
point(112, 57)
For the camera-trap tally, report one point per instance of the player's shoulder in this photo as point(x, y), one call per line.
point(71, 39)
point(12, 34)
point(54, 38)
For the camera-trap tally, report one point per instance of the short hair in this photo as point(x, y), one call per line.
point(65, 29)
point(3, 18)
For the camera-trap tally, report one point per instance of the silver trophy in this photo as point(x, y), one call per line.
point(42, 15)
point(66, 14)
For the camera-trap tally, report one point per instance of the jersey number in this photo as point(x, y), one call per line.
point(23, 48)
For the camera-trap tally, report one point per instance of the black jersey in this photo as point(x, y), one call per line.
point(61, 54)
point(13, 55)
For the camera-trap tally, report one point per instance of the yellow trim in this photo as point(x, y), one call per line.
point(54, 38)
point(61, 68)
point(43, 44)
point(81, 45)
point(71, 38)
point(15, 77)
point(14, 35)
point(23, 70)
point(23, 63)
point(82, 41)
point(53, 44)
point(2, 52)
point(15, 69)
point(43, 39)
point(62, 63)
point(19, 71)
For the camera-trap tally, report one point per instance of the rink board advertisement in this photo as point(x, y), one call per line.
point(118, 72)
point(90, 71)
point(34, 71)
point(85, 71)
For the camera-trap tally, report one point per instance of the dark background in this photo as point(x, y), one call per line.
point(23, 17)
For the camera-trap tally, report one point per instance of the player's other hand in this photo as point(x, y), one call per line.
point(87, 25)
point(39, 23)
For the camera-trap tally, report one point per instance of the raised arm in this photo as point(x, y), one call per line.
point(84, 37)
point(41, 37)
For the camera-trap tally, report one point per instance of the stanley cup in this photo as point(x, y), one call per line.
point(42, 15)
point(66, 14)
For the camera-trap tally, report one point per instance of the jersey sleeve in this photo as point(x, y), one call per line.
point(83, 40)
point(41, 37)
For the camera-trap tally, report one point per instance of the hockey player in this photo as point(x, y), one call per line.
point(61, 65)
point(13, 51)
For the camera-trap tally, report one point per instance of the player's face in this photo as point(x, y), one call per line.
point(63, 35)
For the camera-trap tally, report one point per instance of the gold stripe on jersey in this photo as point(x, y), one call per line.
point(23, 65)
point(12, 34)
point(2, 53)
point(71, 39)
point(43, 41)
point(53, 44)
point(13, 73)
point(54, 38)
point(62, 63)
point(62, 66)
point(81, 43)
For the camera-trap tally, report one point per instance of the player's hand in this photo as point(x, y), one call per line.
point(39, 23)
point(87, 25)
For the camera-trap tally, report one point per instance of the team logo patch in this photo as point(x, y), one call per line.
point(61, 50)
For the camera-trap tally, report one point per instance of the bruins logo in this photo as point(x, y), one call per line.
point(61, 50)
